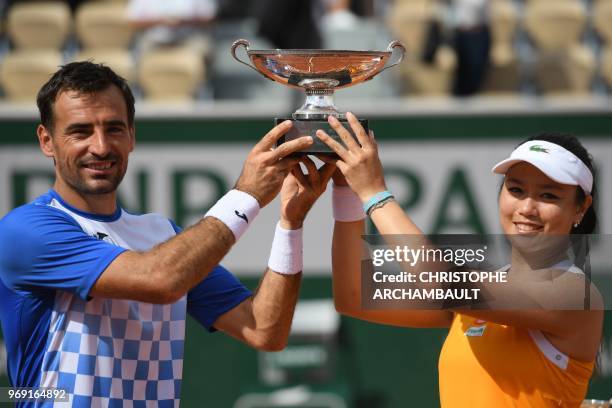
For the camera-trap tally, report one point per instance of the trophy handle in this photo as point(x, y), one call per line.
point(392, 46)
point(245, 44)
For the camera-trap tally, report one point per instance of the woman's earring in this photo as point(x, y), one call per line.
point(577, 223)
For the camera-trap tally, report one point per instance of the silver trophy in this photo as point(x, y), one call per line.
point(318, 73)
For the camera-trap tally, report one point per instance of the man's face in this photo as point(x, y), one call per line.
point(91, 140)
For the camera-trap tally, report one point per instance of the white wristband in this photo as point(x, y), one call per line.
point(346, 204)
point(236, 209)
point(286, 253)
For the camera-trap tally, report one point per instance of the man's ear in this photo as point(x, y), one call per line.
point(132, 131)
point(45, 141)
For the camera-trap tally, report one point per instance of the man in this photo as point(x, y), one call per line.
point(93, 299)
point(472, 43)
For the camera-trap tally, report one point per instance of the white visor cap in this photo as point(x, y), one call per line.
point(558, 163)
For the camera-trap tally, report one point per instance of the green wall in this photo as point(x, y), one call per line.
point(443, 126)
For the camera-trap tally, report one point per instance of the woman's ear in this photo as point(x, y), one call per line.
point(583, 208)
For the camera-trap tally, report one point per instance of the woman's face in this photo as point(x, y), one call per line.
point(530, 203)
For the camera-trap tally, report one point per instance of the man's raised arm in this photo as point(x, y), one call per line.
point(264, 320)
point(168, 271)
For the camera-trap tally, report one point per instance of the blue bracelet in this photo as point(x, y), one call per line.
point(376, 198)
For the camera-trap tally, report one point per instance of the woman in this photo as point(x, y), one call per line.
point(491, 358)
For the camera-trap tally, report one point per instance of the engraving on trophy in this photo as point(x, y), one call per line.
point(318, 73)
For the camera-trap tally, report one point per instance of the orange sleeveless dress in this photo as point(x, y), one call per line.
point(484, 365)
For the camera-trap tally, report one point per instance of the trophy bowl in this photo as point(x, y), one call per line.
point(318, 73)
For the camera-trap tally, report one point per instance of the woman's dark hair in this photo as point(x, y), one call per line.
point(580, 236)
point(569, 142)
point(84, 77)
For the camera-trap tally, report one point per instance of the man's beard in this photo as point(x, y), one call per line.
point(81, 185)
point(110, 185)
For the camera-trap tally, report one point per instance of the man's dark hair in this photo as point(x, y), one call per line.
point(83, 77)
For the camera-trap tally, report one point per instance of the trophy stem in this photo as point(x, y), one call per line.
point(319, 105)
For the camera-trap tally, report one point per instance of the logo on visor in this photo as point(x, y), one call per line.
point(538, 148)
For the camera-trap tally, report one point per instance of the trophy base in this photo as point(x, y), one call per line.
point(309, 127)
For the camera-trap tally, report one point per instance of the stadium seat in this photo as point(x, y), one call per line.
point(410, 21)
point(557, 27)
point(606, 66)
point(103, 25)
point(602, 20)
point(503, 75)
point(119, 60)
point(39, 24)
point(567, 72)
point(170, 74)
point(434, 79)
point(23, 72)
point(504, 21)
point(368, 35)
point(232, 80)
point(401, 2)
